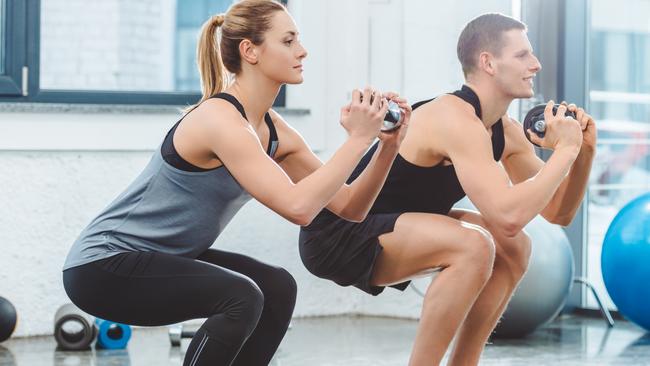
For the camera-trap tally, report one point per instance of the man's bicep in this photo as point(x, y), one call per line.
point(522, 166)
point(481, 177)
point(520, 161)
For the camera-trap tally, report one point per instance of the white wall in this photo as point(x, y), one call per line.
point(57, 170)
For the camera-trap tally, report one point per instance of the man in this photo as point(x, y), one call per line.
point(453, 147)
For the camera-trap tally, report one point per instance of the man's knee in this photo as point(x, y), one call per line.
point(517, 253)
point(478, 251)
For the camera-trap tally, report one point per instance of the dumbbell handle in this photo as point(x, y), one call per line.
point(188, 334)
point(535, 120)
point(178, 333)
point(540, 126)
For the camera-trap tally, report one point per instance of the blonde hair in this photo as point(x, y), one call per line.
point(247, 19)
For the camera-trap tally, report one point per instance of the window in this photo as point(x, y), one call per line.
point(190, 15)
point(2, 36)
point(12, 47)
point(111, 51)
point(619, 99)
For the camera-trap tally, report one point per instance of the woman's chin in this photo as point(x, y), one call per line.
point(294, 81)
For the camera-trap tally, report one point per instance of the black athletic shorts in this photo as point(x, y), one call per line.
point(345, 252)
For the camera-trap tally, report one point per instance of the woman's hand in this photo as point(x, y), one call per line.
point(396, 136)
point(361, 118)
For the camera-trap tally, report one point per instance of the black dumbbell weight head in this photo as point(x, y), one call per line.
point(534, 120)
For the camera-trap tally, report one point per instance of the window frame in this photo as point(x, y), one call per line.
point(21, 82)
point(15, 33)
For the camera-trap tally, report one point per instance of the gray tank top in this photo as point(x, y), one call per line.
point(166, 210)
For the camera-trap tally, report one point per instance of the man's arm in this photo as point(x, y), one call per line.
point(522, 163)
point(566, 201)
point(464, 139)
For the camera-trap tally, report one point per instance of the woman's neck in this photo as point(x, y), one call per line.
point(256, 94)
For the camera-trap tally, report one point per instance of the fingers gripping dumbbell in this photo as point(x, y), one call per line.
point(393, 115)
point(534, 120)
point(177, 333)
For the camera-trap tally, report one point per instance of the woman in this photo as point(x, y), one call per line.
point(146, 259)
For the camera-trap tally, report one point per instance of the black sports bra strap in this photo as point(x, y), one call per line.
point(273, 135)
point(233, 101)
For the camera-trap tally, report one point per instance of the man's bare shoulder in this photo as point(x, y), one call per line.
point(445, 108)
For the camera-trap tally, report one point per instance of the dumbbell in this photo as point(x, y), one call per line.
point(177, 333)
point(534, 120)
point(392, 117)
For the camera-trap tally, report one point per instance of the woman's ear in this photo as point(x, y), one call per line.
point(248, 51)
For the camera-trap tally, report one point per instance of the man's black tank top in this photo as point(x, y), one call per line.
point(412, 188)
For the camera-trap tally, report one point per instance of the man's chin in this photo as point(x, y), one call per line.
point(526, 94)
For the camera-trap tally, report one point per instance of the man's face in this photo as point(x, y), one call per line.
point(516, 65)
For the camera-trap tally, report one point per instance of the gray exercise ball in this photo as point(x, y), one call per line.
point(543, 291)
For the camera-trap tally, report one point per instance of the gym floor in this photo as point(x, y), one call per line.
point(350, 341)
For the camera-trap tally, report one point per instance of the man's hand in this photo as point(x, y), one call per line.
point(587, 124)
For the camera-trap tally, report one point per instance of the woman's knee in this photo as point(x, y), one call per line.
point(246, 301)
point(280, 291)
point(235, 315)
point(284, 285)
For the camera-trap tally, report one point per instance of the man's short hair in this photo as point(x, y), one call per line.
point(483, 33)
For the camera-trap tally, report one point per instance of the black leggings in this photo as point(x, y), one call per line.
point(248, 303)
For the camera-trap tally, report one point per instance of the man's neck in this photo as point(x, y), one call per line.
point(494, 104)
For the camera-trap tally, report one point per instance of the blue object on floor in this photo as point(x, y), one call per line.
point(112, 335)
point(625, 260)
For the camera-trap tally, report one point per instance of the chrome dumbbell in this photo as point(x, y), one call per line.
point(177, 333)
point(534, 120)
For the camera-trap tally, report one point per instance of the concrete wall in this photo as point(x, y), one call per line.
point(57, 170)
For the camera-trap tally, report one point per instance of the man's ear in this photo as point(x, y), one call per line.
point(486, 63)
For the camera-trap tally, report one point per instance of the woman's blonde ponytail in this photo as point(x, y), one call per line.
point(214, 77)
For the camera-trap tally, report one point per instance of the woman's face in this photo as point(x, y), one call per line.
point(281, 53)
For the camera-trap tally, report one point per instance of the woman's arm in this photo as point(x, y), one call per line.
point(352, 202)
point(238, 147)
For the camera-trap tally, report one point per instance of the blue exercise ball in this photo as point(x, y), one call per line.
point(625, 260)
